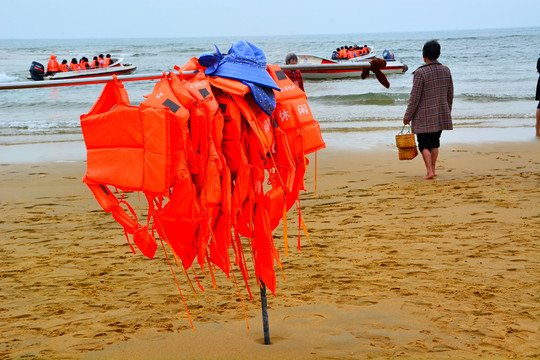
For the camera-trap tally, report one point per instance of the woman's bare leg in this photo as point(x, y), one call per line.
point(426, 155)
point(434, 156)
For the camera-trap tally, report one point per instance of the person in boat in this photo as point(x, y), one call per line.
point(52, 66)
point(335, 54)
point(294, 75)
point(107, 60)
point(352, 52)
point(83, 63)
point(95, 63)
point(100, 60)
point(429, 110)
point(64, 66)
point(74, 66)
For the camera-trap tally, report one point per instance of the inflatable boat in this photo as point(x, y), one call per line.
point(117, 67)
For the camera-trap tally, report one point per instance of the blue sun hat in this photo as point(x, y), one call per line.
point(247, 63)
point(244, 62)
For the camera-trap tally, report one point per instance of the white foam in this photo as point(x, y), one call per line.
point(6, 78)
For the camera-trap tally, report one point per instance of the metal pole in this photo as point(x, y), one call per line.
point(82, 81)
point(264, 306)
point(152, 76)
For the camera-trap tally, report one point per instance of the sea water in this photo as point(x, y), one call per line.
point(494, 73)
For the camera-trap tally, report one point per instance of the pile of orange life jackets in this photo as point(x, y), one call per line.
point(201, 151)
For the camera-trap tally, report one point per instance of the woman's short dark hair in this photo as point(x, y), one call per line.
point(431, 50)
point(289, 57)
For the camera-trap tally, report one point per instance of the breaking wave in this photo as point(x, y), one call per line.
point(364, 99)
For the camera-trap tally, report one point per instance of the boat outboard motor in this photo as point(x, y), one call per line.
point(387, 55)
point(37, 71)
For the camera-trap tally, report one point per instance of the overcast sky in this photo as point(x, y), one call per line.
point(33, 19)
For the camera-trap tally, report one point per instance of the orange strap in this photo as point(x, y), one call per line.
point(285, 240)
point(301, 221)
point(241, 300)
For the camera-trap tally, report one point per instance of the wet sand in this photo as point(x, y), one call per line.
point(435, 269)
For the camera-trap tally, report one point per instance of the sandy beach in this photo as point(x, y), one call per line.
point(447, 268)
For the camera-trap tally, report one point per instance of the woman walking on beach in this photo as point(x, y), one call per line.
point(430, 105)
point(538, 98)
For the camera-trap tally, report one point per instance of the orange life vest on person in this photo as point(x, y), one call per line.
point(94, 63)
point(83, 65)
point(74, 67)
point(52, 66)
point(106, 62)
point(64, 68)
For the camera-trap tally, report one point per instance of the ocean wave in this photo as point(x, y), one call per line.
point(144, 54)
point(7, 78)
point(354, 129)
point(187, 50)
point(26, 139)
point(46, 104)
point(490, 98)
point(363, 99)
point(37, 132)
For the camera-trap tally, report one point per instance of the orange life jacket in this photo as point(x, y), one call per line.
point(294, 116)
point(115, 156)
point(52, 66)
point(95, 63)
point(63, 67)
point(248, 140)
point(106, 62)
point(207, 165)
point(203, 144)
point(74, 67)
point(182, 215)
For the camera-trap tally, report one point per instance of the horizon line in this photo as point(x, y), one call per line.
point(266, 35)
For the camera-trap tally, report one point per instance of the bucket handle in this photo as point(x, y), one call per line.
point(408, 130)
